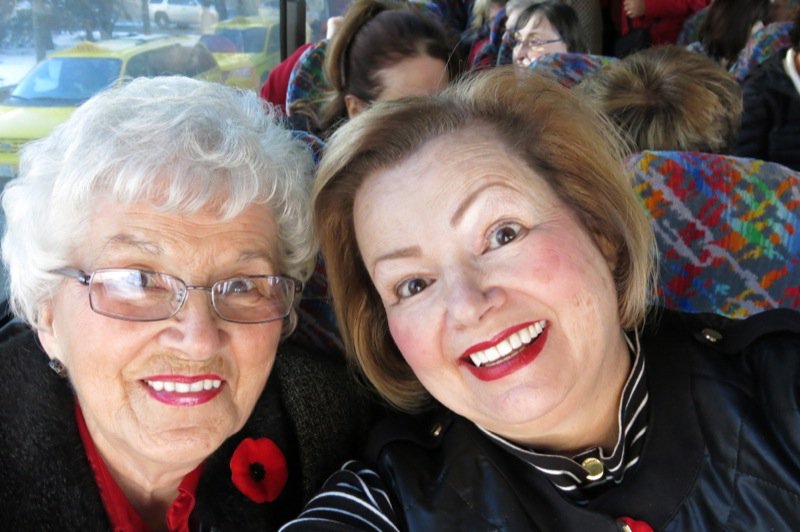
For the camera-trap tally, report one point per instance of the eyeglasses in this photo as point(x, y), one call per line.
point(138, 295)
point(516, 39)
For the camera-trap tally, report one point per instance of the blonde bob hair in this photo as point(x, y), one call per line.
point(668, 98)
point(573, 148)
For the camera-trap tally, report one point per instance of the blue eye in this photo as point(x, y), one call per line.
point(504, 234)
point(411, 287)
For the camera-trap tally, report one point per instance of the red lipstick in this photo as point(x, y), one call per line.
point(526, 355)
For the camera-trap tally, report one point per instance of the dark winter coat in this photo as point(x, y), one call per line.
point(722, 449)
point(771, 116)
point(309, 408)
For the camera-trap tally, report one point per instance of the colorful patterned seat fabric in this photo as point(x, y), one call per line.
point(569, 68)
point(690, 32)
point(307, 83)
point(728, 230)
point(763, 44)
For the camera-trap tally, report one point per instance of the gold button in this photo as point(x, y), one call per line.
point(711, 335)
point(594, 468)
point(436, 430)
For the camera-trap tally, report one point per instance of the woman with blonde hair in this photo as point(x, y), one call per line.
point(668, 98)
point(492, 273)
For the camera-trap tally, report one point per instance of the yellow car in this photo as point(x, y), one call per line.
point(246, 48)
point(55, 87)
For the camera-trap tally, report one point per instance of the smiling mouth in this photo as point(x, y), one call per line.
point(509, 347)
point(184, 387)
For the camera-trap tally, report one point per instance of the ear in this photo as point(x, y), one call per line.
point(45, 329)
point(354, 105)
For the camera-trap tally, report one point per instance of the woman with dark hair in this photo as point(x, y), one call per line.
point(383, 51)
point(546, 27)
point(728, 25)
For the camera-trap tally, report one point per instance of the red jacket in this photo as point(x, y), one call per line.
point(664, 18)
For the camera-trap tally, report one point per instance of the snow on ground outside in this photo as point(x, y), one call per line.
point(15, 63)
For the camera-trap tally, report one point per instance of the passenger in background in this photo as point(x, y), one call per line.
point(588, 29)
point(384, 51)
point(483, 13)
point(727, 27)
point(668, 98)
point(642, 23)
point(156, 243)
point(543, 28)
point(492, 270)
point(771, 118)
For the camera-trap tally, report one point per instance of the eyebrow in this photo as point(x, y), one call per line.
point(153, 248)
point(469, 200)
point(403, 253)
point(128, 240)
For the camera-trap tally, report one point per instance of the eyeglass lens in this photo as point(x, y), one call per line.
point(148, 296)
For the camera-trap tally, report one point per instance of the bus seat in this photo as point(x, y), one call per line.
point(308, 86)
point(690, 31)
point(763, 44)
point(569, 68)
point(727, 228)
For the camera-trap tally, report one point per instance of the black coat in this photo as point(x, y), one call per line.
point(771, 116)
point(722, 450)
point(310, 408)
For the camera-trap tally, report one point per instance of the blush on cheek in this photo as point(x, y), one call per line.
point(547, 264)
point(407, 338)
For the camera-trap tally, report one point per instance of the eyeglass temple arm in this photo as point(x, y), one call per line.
point(81, 276)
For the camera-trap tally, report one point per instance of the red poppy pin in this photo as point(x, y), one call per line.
point(632, 525)
point(258, 469)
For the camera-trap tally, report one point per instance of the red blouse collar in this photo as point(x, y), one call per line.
point(121, 513)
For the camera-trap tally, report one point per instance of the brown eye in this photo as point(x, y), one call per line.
point(411, 287)
point(504, 235)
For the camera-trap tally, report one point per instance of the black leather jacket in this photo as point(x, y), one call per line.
point(722, 449)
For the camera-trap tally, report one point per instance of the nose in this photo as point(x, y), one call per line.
point(470, 296)
point(195, 329)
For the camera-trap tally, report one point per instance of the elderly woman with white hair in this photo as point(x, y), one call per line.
point(156, 244)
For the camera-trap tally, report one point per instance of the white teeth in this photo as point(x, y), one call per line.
point(512, 343)
point(505, 347)
point(184, 387)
